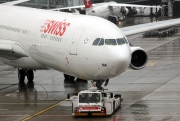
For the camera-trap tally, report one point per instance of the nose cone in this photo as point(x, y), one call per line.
point(119, 59)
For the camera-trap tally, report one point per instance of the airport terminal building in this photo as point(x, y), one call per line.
point(171, 7)
point(65, 3)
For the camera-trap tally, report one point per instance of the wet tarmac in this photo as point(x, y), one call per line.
point(150, 94)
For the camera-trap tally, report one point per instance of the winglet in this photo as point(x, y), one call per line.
point(15, 2)
point(88, 3)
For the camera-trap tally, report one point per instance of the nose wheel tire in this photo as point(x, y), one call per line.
point(21, 75)
point(99, 85)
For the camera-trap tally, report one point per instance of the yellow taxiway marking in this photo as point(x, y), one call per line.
point(151, 63)
point(38, 113)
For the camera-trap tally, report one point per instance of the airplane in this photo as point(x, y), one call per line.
point(112, 11)
point(34, 39)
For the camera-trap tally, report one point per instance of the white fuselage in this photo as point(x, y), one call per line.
point(103, 10)
point(63, 41)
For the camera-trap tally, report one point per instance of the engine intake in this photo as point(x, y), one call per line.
point(139, 58)
point(136, 11)
point(125, 11)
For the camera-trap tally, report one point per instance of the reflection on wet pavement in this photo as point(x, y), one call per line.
point(168, 51)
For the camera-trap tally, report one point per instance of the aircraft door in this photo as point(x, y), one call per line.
point(74, 41)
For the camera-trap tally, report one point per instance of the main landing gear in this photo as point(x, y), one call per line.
point(68, 77)
point(113, 19)
point(99, 83)
point(30, 76)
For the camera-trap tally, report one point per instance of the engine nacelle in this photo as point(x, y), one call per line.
point(125, 11)
point(139, 58)
point(136, 11)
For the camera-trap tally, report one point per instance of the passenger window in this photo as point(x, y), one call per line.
point(101, 42)
point(96, 41)
point(110, 42)
point(121, 41)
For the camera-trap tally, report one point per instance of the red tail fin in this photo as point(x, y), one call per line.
point(88, 3)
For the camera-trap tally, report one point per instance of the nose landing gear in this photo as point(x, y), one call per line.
point(99, 83)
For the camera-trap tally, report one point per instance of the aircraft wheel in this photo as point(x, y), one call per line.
point(110, 18)
point(99, 84)
point(114, 20)
point(68, 77)
point(30, 77)
point(82, 80)
point(21, 75)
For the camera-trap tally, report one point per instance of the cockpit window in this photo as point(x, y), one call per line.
point(110, 42)
point(101, 42)
point(121, 41)
point(125, 40)
point(96, 41)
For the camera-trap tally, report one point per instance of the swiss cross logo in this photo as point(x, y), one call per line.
point(87, 3)
point(57, 28)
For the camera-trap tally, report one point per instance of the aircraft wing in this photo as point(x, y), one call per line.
point(149, 26)
point(73, 7)
point(11, 50)
point(132, 5)
point(15, 2)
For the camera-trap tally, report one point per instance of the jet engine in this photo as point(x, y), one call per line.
point(136, 11)
point(125, 11)
point(139, 58)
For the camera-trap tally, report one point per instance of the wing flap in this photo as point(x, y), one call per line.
point(149, 26)
point(11, 50)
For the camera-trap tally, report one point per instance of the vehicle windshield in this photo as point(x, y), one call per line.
point(89, 98)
